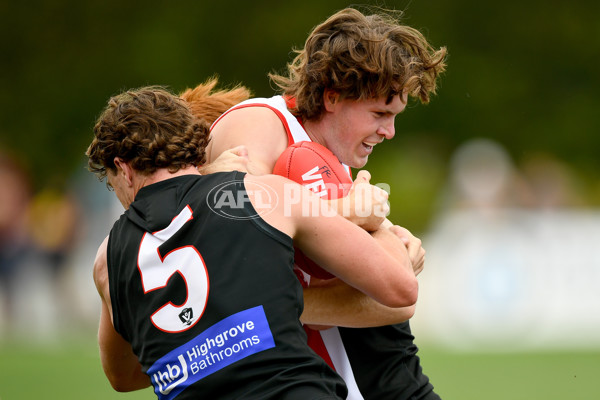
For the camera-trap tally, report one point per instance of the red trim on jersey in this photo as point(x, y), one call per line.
point(315, 342)
point(290, 102)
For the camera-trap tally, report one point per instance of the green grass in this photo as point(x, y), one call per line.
point(73, 371)
point(514, 376)
point(65, 372)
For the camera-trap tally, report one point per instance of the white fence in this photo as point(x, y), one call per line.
point(511, 280)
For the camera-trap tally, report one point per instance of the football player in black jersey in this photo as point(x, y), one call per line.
point(199, 296)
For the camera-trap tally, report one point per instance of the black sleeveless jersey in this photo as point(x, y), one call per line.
point(395, 372)
point(204, 290)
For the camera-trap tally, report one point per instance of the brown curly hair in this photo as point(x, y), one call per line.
point(361, 57)
point(149, 128)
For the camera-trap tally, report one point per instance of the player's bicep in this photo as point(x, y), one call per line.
point(100, 274)
point(257, 128)
point(120, 364)
point(330, 240)
point(339, 247)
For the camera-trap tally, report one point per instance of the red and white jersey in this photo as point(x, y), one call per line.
point(327, 343)
point(293, 127)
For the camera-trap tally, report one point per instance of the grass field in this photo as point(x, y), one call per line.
point(72, 371)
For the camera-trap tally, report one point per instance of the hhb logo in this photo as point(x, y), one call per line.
point(171, 376)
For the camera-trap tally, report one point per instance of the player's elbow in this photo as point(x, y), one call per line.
point(127, 383)
point(410, 295)
point(404, 295)
point(121, 385)
point(118, 383)
point(410, 311)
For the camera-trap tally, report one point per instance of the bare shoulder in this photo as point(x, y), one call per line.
point(257, 128)
point(261, 116)
point(100, 271)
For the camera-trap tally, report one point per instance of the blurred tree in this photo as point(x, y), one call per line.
point(522, 73)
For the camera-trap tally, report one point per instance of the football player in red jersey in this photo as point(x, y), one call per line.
point(344, 90)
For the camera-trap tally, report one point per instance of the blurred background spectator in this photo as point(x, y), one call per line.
point(16, 248)
point(511, 257)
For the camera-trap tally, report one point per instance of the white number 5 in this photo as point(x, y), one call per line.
point(156, 271)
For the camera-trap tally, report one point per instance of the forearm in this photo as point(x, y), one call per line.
point(120, 364)
point(338, 304)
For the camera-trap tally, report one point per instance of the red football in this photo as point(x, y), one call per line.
point(317, 168)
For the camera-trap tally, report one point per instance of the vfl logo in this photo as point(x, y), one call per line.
point(317, 184)
point(171, 376)
point(187, 315)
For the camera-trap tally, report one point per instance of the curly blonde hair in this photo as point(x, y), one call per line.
point(149, 128)
point(361, 57)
